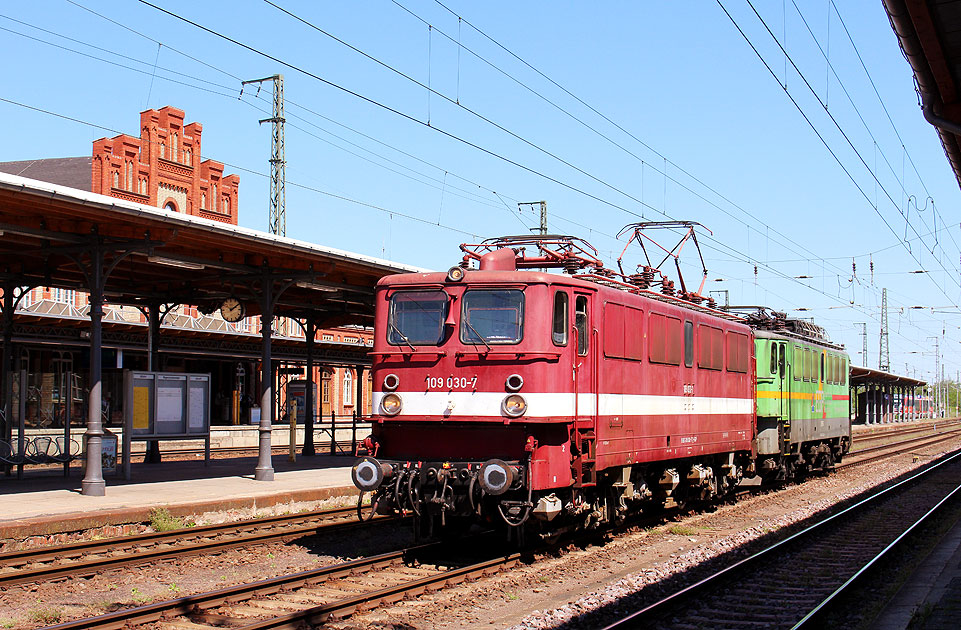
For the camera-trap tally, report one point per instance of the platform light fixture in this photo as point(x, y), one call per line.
point(174, 262)
point(316, 287)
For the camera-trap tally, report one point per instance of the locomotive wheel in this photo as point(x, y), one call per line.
point(367, 512)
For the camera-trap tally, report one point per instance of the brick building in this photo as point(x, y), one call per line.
point(161, 168)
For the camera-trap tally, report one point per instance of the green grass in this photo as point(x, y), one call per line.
point(682, 530)
point(161, 520)
point(46, 615)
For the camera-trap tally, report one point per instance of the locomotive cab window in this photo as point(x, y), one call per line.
point(492, 316)
point(782, 361)
point(417, 317)
point(561, 317)
point(580, 323)
point(774, 359)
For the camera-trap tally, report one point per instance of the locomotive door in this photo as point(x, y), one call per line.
point(584, 437)
point(783, 381)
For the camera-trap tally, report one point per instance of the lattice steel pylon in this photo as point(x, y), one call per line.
point(278, 214)
point(864, 342)
point(884, 360)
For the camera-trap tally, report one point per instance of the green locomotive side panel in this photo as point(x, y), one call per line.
point(802, 393)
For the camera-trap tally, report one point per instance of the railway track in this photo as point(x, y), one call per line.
point(904, 430)
point(875, 453)
point(797, 582)
point(91, 556)
point(310, 597)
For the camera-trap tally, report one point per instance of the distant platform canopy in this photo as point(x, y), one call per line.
point(867, 376)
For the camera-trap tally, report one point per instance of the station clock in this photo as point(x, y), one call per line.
point(232, 310)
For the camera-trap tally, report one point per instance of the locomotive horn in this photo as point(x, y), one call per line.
point(368, 474)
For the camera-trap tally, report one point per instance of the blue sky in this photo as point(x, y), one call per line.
point(680, 90)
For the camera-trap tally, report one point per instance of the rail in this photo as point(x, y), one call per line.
point(19, 567)
point(788, 564)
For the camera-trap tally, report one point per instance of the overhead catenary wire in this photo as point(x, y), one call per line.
point(406, 116)
point(820, 136)
point(598, 232)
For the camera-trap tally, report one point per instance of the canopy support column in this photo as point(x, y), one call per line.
point(310, 331)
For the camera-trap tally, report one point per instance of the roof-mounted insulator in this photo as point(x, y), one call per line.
point(667, 287)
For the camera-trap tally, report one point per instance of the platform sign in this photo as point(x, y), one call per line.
point(167, 404)
point(297, 396)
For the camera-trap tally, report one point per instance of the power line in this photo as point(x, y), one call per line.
point(814, 128)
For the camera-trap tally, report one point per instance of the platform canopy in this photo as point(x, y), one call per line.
point(929, 32)
point(865, 376)
point(152, 255)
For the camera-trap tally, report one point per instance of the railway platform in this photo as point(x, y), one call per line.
point(931, 598)
point(47, 503)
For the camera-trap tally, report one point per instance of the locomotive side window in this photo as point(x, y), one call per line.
point(665, 339)
point(492, 316)
point(688, 343)
point(738, 352)
point(798, 362)
point(821, 374)
point(782, 362)
point(622, 331)
point(561, 317)
point(580, 323)
point(417, 317)
point(710, 347)
point(774, 358)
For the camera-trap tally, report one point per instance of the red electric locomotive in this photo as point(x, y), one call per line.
point(560, 400)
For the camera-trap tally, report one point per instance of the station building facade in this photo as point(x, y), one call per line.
point(163, 168)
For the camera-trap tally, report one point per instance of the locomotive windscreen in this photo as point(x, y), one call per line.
point(493, 316)
point(417, 317)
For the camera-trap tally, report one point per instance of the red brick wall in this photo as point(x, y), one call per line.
point(164, 167)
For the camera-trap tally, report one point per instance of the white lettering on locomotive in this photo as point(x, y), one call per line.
point(450, 383)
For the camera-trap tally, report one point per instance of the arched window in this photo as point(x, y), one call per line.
point(203, 201)
point(170, 206)
point(116, 179)
point(188, 157)
point(213, 196)
point(173, 147)
point(129, 182)
point(226, 204)
point(348, 389)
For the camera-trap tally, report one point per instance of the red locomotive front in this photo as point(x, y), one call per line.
point(505, 392)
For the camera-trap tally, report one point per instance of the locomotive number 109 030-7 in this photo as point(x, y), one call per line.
point(451, 382)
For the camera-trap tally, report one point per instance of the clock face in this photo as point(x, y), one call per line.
point(232, 310)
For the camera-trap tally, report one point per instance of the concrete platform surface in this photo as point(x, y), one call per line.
point(931, 597)
point(46, 502)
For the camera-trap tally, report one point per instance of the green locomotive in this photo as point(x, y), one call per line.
point(803, 413)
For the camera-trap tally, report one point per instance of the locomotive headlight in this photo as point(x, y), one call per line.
point(514, 406)
point(391, 404)
point(391, 381)
point(368, 474)
point(455, 274)
point(495, 476)
point(514, 383)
